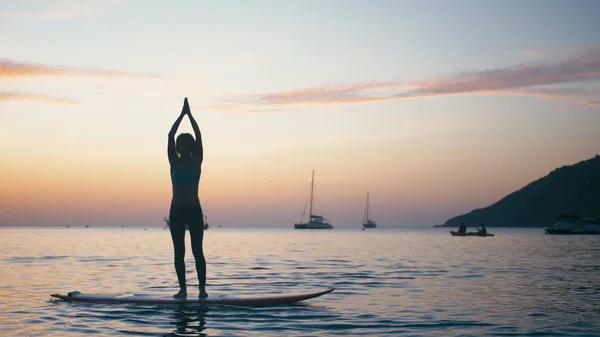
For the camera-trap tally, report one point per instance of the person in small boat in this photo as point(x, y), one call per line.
point(185, 159)
point(462, 229)
point(482, 230)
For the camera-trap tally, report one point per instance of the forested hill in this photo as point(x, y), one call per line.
point(573, 189)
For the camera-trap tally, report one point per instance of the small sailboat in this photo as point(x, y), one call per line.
point(166, 220)
point(314, 221)
point(206, 226)
point(367, 222)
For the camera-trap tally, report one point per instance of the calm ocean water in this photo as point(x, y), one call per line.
point(402, 282)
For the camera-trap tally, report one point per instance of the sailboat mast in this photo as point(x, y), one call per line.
point(312, 184)
point(368, 206)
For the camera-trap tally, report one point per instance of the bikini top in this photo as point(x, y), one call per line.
point(188, 176)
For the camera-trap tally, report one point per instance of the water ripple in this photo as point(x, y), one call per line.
point(401, 282)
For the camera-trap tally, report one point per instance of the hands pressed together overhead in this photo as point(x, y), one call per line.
point(186, 108)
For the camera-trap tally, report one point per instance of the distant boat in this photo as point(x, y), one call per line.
point(166, 220)
point(314, 221)
point(367, 222)
point(206, 226)
point(455, 233)
point(572, 224)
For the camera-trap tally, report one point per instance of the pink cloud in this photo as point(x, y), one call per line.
point(532, 79)
point(529, 53)
point(533, 52)
point(245, 108)
point(592, 103)
point(21, 96)
point(19, 69)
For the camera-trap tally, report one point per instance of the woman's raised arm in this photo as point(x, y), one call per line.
point(171, 152)
point(198, 151)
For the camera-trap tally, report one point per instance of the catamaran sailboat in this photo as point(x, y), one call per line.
point(367, 222)
point(314, 221)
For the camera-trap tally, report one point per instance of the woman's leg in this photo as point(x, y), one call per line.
point(196, 225)
point(177, 227)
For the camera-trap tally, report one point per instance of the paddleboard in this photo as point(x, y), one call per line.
point(250, 300)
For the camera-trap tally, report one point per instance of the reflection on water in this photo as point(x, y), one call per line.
point(388, 282)
point(189, 320)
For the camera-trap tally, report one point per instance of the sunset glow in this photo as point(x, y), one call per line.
point(409, 100)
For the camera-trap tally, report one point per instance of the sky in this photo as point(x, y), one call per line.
point(434, 107)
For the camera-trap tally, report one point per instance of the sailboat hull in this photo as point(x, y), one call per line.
point(312, 226)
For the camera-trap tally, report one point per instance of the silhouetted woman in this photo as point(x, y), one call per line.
point(185, 158)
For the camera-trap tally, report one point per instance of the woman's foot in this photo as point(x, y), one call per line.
point(181, 294)
point(203, 293)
